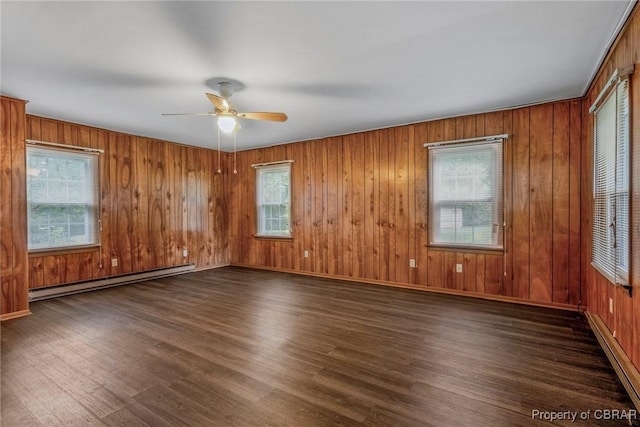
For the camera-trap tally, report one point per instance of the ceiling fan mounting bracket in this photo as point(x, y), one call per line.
point(225, 89)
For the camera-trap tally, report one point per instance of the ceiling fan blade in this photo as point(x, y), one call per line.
point(188, 114)
point(273, 117)
point(220, 103)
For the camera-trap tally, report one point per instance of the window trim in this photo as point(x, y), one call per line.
point(95, 208)
point(601, 256)
point(260, 168)
point(498, 202)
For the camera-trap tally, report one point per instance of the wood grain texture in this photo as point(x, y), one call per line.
point(156, 199)
point(14, 265)
point(365, 209)
point(561, 151)
point(625, 322)
point(244, 348)
point(424, 132)
point(541, 201)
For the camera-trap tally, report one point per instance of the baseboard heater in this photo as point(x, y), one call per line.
point(627, 373)
point(106, 282)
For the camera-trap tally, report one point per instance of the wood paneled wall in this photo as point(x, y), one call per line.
point(157, 198)
point(624, 323)
point(13, 209)
point(360, 207)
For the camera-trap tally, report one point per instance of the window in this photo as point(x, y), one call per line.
point(62, 198)
point(610, 237)
point(274, 200)
point(466, 195)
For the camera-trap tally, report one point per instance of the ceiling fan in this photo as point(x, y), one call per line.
point(227, 112)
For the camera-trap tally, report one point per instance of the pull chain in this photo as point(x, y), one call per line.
point(235, 170)
point(218, 128)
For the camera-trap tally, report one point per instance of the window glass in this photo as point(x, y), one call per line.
point(62, 198)
point(466, 195)
point(274, 200)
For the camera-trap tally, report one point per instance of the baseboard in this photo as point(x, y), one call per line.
point(211, 267)
point(106, 282)
point(14, 315)
point(419, 288)
point(627, 373)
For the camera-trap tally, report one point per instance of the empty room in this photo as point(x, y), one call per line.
point(319, 213)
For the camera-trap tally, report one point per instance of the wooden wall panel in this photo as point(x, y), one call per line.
point(560, 201)
point(14, 265)
point(384, 191)
point(365, 209)
point(307, 222)
point(411, 200)
point(369, 250)
point(507, 170)
point(401, 184)
point(319, 204)
point(156, 199)
point(541, 201)
point(575, 189)
point(124, 219)
point(140, 175)
point(156, 217)
point(520, 213)
point(297, 211)
point(422, 132)
point(596, 292)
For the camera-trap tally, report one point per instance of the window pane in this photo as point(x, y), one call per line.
point(61, 198)
point(466, 195)
point(610, 226)
point(273, 199)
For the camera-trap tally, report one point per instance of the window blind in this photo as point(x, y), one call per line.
point(610, 234)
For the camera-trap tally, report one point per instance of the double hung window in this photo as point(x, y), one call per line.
point(465, 189)
point(62, 199)
point(610, 233)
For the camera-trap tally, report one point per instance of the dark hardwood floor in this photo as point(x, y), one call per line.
point(239, 347)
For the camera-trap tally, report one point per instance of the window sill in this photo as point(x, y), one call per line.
point(272, 237)
point(63, 251)
point(468, 249)
point(623, 282)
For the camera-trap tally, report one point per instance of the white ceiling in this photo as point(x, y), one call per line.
point(333, 67)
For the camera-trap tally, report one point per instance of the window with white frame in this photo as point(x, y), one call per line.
point(610, 228)
point(465, 188)
point(62, 198)
point(273, 194)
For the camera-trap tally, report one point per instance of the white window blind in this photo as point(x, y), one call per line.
point(466, 197)
point(273, 200)
point(62, 199)
point(610, 237)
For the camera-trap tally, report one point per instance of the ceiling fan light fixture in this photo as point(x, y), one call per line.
point(226, 123)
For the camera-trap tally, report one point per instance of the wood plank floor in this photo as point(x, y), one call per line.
point(239, 347)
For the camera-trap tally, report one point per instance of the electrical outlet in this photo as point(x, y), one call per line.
point(458, 268)
point(306, 254)
point(412, 263)
point(185, 253)
point(611, 305)
point(114, 262)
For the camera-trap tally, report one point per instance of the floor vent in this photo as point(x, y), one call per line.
point(107, 282)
